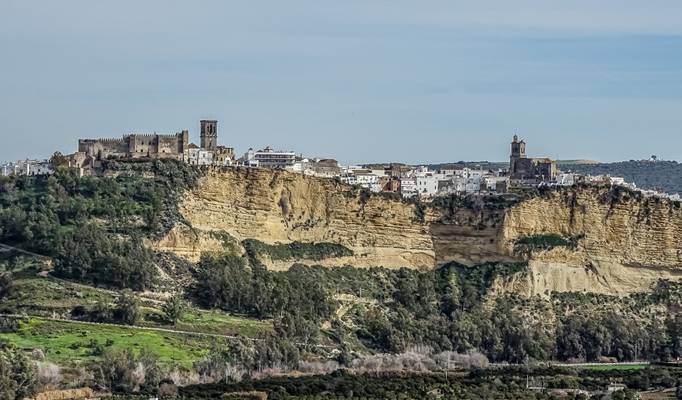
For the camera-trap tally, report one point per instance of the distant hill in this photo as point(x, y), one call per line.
point(660, 175)
point(487, 165)
point(579, 162)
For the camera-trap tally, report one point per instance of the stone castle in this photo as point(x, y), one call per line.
point(137, 145)
point(154, 145)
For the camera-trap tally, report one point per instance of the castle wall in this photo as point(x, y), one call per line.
point(103, 148)
point(136, 146)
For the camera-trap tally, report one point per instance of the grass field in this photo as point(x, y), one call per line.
point(224, 324)
point(213, 322)
point(44, 295)
point(72, 344)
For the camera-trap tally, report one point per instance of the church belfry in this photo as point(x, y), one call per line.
point(209, 134)
point(518, 148)
point(518, 152)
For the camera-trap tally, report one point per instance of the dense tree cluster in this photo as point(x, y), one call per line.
point(90, 254)
point(296, 299)
point(507, 383)
point(92, 225)
point(445, 309)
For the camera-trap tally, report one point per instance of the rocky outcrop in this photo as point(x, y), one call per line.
point(620, 241)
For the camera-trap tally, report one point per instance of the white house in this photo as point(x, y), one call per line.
point(197, 156)
point(408, 187)
point(427, 184)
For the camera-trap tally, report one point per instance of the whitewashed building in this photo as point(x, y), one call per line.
point(427, 184)
point(269, 158)
point(197, 156)
point(408, 187)
point(27, 167)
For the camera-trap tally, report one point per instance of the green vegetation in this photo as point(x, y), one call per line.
point(446, 309)
point(92, 226)
point(215, 322)
point(91, 231)
point(507, 383)
point(466, 287)
point(544, 242)
point(73, 344)
point(616, 367)
point(91, 255)
point(173, 309)
point(127, 309)
point(295, 250)
point(47, 295)
point(17, 374)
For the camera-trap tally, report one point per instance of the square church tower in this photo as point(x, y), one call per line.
point(209, 134)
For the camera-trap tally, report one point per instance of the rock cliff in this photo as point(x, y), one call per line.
point(620, 242)
point(276, 206)
point(624, 241)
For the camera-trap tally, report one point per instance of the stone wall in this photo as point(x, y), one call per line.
point(137, 146)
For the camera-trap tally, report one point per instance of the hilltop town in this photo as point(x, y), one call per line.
point(408, 181)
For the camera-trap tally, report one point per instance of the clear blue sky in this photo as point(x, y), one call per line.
point(358, 80)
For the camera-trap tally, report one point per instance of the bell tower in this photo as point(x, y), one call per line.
point(209, 134)
point(518, 151)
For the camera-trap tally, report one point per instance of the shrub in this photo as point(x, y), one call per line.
point(127, 308)
point(173, 309)
point(8, 324)
point(295, 250)
point(6, 284)
point(124, 372)
point(49, 375)
point(17, 373)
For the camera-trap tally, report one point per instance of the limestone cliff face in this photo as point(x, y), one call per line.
point(276, 206)
point(622, 243)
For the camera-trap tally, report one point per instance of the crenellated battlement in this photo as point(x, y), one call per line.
point(103, 140)
point(154, 135)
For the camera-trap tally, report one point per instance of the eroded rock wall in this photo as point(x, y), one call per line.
point(277, 206)
point(623, 242)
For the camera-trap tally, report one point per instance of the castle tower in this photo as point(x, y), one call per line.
point(209, 134)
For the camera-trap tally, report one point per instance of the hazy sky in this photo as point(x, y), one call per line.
point(358, 80)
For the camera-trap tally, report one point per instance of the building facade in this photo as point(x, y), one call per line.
point(27, 167)
point(269, 158)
